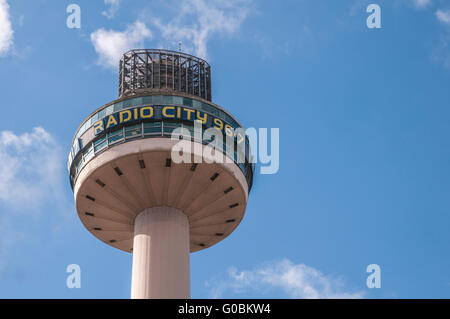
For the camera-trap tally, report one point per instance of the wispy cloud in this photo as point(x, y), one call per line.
point(31, 178)
point(6, 31)
point(194, 23)
point(443, 16)
point(421, 3)
point(11, 235)
point(112, 10)
point(31, 168)
point(295, 280)
point(441, 53)
point(110, 44)
point(197, 21)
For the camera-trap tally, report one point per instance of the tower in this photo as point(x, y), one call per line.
point(133, 194)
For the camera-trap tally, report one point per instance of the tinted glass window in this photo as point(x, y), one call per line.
point(88, 153)
point(150, 128)
point(133, 131)
point(196, 104)
point(109, 110)
point(127, 103)
point(100, 144)
point(177, 100)
point(80, 165)
point(87, 124)
point(94, 118)
point(210, 109)
point(101, 114)
point(168, 99)
point(147, 100)
point(115, 136)
point(137, 101)
point(169, 127)
point(187, 102)
point(157, 99)
point(118, 106)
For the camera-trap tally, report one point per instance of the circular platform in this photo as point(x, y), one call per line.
point(118, 184)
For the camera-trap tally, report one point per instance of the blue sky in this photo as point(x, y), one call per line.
point(363, 114)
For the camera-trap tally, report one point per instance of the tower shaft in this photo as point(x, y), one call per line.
point(161, 254)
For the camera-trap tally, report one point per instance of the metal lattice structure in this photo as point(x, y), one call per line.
point(150, 70)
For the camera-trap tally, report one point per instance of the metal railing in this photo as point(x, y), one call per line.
point(153, 70)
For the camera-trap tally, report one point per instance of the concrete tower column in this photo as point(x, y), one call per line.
point(161, 255)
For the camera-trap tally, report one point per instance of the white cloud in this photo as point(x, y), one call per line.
point(443, 16)
point(296, 280)
point(32, 177)
point(110, 44)
point(197, 21)
point(194, 24)
point(112, 10)
point(31, 168)
point(421, 3)
point(6, 31)
point(441, 53)
point(11, 235)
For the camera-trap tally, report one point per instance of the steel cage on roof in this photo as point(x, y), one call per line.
point(153, 70)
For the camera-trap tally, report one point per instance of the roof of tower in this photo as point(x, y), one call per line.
point(155, 70)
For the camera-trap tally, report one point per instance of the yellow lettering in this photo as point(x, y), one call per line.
point(189, 113)
point(111, 121)
point(228, 130)
point(164, 111)
point(218, 123)
point(98, 127)
point(121, 116)
point(240, 138)
point(150, 112)
point(202, 119)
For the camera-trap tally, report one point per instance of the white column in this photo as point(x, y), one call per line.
point(161, 255)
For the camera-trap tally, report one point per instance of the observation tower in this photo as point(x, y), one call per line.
point(133, 194)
